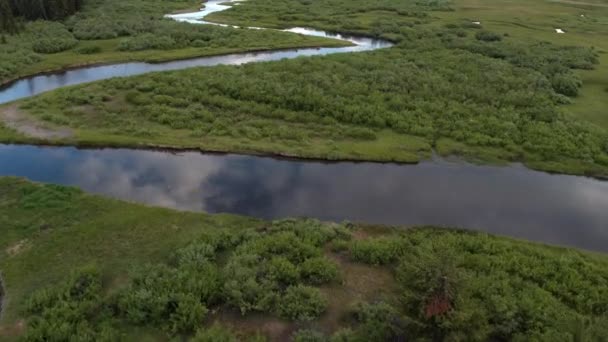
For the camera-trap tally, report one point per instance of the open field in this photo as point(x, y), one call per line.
point(375, 282)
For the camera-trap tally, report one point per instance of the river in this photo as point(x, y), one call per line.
point(513, 201)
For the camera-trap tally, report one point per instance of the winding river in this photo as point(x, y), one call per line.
point(513, 200)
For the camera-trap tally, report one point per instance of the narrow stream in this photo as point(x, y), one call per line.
point(38, 84)
point(513, 201)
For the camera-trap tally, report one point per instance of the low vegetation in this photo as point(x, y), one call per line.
point(497, 100)
point(453, 87)
point(161, 273)
point(116, 30)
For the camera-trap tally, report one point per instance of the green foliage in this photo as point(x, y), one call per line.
point(215, 333)
point(377, 322)
point(175, 298)
point(50, 37)
point(379, 251)
point(318, 270)
point(503, 96)
point(72, 310)
point(451, 284)
point(266, 265)
point(488, 36)
point(302, 303)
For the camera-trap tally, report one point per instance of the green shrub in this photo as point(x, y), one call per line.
point(51, 37)
point(488, 36)
point(379, 251)
point(283, 271)
point(318, 270)
point(378, 322)
point(216, 333)
point(244, 288)
point(302, 303)
point(566, 84)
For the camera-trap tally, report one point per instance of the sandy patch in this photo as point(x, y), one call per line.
point(18, 248)
point(16, 119)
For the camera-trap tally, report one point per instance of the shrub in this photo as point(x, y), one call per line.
point(283, 271)
point(566, 84)
point(189, 313)
point(318, 270)
point(216, 333)
point(243, 289)
point(488, 36)
point(378, 251)
point(302, 303)
point(51, 37)
point(378, 322)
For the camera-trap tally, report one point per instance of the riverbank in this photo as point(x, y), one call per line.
point(64, 228)
point(66, 61)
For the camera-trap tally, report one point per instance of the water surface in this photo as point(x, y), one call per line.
point(513, 201)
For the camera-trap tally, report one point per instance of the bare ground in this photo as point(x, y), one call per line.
point(16, 119)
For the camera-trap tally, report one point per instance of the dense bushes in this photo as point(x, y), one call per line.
point(302, 303)
point(488, 36)
point(50, 37)
point(450, 285)
point(73, 310)
point(433, 87)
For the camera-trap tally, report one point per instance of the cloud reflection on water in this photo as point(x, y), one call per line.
point(511, 201)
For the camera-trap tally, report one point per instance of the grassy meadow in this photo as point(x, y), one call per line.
point(98, 269)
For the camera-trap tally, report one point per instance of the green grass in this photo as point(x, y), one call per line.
point(110, 54)
point(49, 232)
point(537, 20)
point(18, 60)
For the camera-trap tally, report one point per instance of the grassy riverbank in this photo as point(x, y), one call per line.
point(120, 31)
point(89, 254)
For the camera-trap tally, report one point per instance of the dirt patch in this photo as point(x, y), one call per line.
point(17, 248)
point(274, 328)
point(16, 119)
point(360, 283)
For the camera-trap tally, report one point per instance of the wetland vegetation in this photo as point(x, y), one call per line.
point(161, 274)
point(448, 85)
point(490, 82)
point(111, 31)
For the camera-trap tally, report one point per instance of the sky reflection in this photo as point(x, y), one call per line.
point(512, 201)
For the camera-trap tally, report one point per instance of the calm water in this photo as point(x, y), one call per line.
point(512, 201)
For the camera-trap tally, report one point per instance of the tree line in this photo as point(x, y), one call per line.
point(33, 10)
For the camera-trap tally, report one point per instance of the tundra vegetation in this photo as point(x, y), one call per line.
point(164, 274)
point(36, 39)
point(449, 85)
